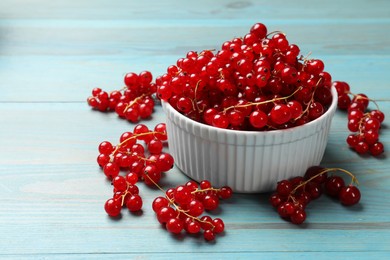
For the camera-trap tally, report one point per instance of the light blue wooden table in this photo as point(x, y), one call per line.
point(52, 53)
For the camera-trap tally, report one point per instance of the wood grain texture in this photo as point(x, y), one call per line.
point(52, 53)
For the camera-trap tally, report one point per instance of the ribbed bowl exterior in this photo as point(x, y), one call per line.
point(247, 161)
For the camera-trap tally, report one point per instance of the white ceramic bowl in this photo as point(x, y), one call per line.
point(247, 161)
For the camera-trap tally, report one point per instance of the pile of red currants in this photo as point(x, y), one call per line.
point(258, 82)
point(138, 163)
point(182, 207)
point(364, 123)
point(132, 102)
point(293, 195)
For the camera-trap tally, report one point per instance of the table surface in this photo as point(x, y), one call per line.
point(52, 53)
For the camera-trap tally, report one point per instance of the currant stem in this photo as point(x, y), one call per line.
point(158, 186)
point(196, 91)
point(305, 58)
point(360, 97)
point(132, 137)
point(204, 190)
point(275, 32)
point(307, 106)
point(262, 102)
point(125, 194)
point(353, 178)
point(134, 101)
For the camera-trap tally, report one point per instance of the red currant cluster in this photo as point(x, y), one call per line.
point(182, 207)
point(364, 123)
point(126, 193)
point(132, 156)
point(132, 102)
point(293, 195)
point(257, 82)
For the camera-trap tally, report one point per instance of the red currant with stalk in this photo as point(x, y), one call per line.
point(130, 156)
point(132, 102)
point(181, 208)
point(365, 123)
point(293, 195)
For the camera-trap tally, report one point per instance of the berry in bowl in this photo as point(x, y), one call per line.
point(247, 115)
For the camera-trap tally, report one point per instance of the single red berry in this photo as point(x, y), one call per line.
point(209, 235)
point(96, 91)
point(133, 189)
point(132, 178)
point(286, 209)
point(210, 202)
point(349, 195)
point(160, 131)
point(361, 147)
point(314, 66)
point(103, 159)
point(164, 214)
point(275, 200)
point(280, 114)
point(316, 109)
point(151, 175)
point(134, 203)
point(219, 226)
point(159, 202)
point(314, 189)
point(295, 108)
point(182, 195)
point(220, 120)
point(379, 115)
point(298, 217)
point(318, 174)
point(113, 207)
point(175, 225)
point(119, 183)
point(352, 140)
point(192, 227)
point(205, 184)
point(376, 149)
point(344, 101)
point(225, 192)
point(164, 162)
point(155, 146)
point(105, 147)
point(333, 185)
point(361, 98)
point(111, 170)
point(131, 79)
point(258, 119)
point(284, 188)
point(191, 185)
point(195, 208)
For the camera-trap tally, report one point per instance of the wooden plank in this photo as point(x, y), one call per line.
point(212, 255)
point(142, 37)
point(161, 10)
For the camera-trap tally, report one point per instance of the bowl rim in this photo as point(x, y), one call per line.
point(329, 113)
